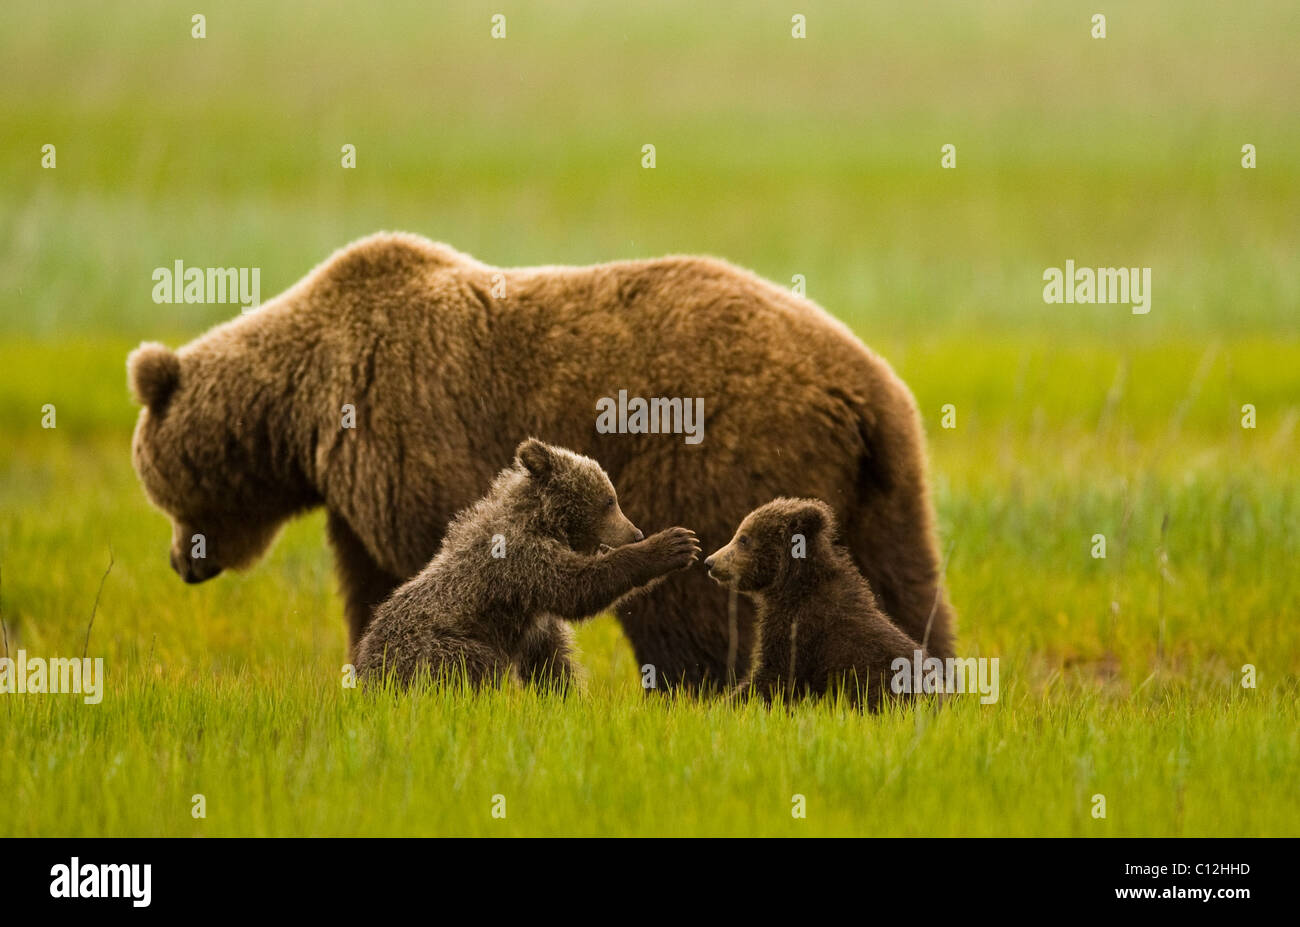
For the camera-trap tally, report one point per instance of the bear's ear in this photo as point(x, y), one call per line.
point(153, 372)
point(535, 457)
point(812, 518)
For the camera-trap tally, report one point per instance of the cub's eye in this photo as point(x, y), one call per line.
point(609, 503)
point(744, 540)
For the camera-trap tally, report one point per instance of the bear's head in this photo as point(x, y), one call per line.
point(772, 543)
point(576, 502)
point(202, 464)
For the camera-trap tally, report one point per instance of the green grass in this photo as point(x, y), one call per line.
point(1118, 676)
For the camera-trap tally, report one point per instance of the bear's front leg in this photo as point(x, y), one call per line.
point(763, 686)
point(581, 586)
point(362, 583)
point(545, 656)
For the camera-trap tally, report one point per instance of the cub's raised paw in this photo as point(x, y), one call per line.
point(676, 548)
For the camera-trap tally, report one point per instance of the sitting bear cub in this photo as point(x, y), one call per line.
point(819, 627)
point(548, 542)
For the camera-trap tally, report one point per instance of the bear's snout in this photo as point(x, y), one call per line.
point(192, 571)
point(619, 530)
point(716, 564)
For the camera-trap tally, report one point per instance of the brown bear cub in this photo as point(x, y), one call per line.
point(819, 628)
point(548, 543)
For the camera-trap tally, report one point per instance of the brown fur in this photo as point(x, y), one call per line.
point(548, 543)
point(243, 430)
point(819, 627)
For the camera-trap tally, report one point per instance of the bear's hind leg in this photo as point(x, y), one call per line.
point(546, 657)
point(464, 661)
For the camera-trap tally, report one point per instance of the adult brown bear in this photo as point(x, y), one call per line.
point(395, 380)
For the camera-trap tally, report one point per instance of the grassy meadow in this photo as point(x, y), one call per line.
point(818, 157)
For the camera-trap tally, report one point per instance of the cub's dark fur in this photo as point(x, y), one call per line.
point(549, 543)
point(819, 627)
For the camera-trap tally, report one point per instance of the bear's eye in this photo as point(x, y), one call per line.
point(744, 540)
point(609, 503)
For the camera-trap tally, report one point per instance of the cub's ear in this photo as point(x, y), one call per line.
point(153, 372)
point(535, 457)
point(813, 518)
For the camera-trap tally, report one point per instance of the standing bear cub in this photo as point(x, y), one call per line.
point(548, 543)
point(819, 627)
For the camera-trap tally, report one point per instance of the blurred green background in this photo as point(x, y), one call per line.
point(818, 157)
